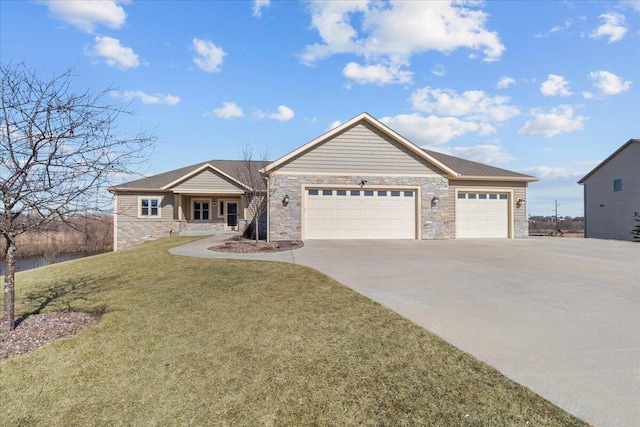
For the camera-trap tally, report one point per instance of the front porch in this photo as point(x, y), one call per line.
point(205, 214)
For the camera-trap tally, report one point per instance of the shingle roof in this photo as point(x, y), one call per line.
point(474, 169)
point(154, 182)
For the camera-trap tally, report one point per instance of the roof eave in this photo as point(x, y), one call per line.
point(496, 178)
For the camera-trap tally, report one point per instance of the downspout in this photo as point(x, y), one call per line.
point(115, 222)
point(266, 178)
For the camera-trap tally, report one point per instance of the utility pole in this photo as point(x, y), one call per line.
point(557, 231)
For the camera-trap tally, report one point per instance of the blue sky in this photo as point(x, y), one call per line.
point(544, 88)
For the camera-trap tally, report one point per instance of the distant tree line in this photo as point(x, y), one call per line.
point(548, 224)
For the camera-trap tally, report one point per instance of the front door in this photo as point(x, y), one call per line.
point(232, 214)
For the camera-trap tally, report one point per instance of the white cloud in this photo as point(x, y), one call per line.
point(379, 38)
point(114, 53)
point(488, 153)
point(209, 57)
point(567, 24)
point(258, 5)
point(87, 15)
point(553, 172)
point(631, 4)
point(555, 86)
point(614, 27)
point(432, 130)
point(439, 70)
point(472, 104)
point(587, 95)
point(284, 114)
point(505, 82)
point(608, 83)
point(334, 124)
point(145, 98)
point(376, 74)
point(556, 121)
point(229, 110)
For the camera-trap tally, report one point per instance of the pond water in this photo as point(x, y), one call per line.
point(40, 261)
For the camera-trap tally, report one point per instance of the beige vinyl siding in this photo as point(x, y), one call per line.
point(361, 149)
point(128, 206)
point(519, 191)
point(208, 181)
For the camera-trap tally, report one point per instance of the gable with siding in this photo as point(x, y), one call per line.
point(361, 149)
point(207, 181)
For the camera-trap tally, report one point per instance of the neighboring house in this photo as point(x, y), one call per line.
point(612, 194)
point(360, 180)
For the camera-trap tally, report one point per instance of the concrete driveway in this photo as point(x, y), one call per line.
point(558, 315)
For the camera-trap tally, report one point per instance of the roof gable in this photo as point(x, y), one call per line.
point(605, 161)
point(364, 118)
point(230, 169)
point(452, 167)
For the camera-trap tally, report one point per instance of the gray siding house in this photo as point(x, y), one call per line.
point(612, 194)
point(361, 180)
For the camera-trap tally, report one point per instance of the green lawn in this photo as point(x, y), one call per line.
point(222, 342)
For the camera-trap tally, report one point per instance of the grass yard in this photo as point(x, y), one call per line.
point(221, 342)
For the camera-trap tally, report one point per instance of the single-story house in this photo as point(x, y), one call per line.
point(612, 194)
point(361, 180)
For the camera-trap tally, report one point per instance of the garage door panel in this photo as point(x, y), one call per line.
point(482, 215)
point(359, 214)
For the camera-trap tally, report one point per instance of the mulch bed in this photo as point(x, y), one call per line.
point(37, 330)
point(243, 246)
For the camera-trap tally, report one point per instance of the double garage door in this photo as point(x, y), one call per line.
point(359, 213)
point(482, 215)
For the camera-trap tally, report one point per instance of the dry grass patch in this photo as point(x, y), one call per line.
point(221, 342)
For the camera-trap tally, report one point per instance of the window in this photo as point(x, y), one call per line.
point(408, 194)
point(395, 194)
point(341, 192)
point(471, 196)
point(201, 210)
point(313, 192)
point(382, 193)
point(221, 209)
point(503, 197)
point(355, 192)
point(482, 196)
point(493, 196)
point(150, 207)
point(327, 192)
point(368, 192)
point(462, 196)
point(617, 185)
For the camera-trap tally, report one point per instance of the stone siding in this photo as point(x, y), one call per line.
point(285, 222)
point(521, 229)
point(133, 233)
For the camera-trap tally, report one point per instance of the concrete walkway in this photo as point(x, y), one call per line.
point(558, 315)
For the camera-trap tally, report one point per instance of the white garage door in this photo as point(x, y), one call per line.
point(359, 214)
point(482, 215)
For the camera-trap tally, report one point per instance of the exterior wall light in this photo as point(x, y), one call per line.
point(435, 201)
point(519, 202)
point(285, 201)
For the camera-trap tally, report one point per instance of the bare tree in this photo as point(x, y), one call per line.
point(58, 148)
point(248, 172)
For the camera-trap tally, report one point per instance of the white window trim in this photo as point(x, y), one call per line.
point(221, 203)
point(193, 208)
point(141, 198)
